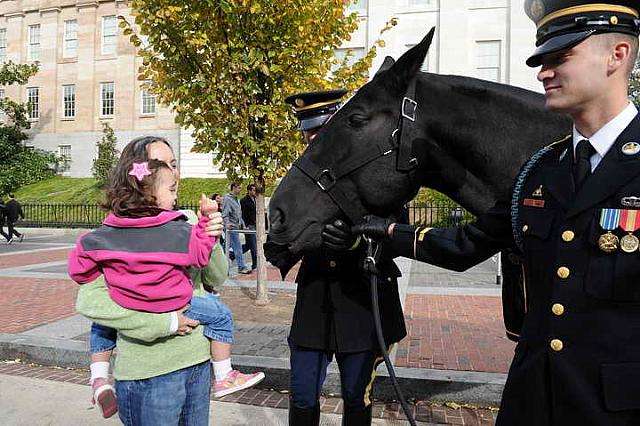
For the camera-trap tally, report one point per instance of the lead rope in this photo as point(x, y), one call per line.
point(370, 268)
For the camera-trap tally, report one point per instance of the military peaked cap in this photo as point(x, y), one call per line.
point(564, 23)
point(313, 109)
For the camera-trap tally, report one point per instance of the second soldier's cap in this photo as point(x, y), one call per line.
point(313, 109)
point(562, 24)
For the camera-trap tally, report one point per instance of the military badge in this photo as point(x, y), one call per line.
point(537, 192)
point(631, 148)
point(628, 221)
point(530, 202)
point(632, 201)
point(609, 219)
point(536, 10)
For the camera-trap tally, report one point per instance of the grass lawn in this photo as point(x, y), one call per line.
point(84, 190)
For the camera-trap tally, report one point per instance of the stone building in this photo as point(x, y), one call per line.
point(88, 68)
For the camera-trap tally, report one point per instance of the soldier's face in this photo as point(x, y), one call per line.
point(575, 79)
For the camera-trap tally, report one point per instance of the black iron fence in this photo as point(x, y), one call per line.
point(60, 215)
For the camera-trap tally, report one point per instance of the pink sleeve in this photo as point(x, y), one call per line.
point(200, 244)
point(81, 267)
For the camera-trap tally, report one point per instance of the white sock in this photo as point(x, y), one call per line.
point(99, 370)
point(221, 368)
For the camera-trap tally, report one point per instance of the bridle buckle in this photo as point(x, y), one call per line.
point(409, 108)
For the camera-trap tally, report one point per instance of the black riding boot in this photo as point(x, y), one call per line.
point(357, 416)
point(304, 416)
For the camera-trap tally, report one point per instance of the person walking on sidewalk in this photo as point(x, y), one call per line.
point(248, 206)
point(2, 221)
point(232, 215)
point(574, 218)
point(13, 212)
point(158, 353)
point(333, 314)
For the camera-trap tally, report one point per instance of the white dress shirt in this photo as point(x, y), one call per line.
point(603, 139)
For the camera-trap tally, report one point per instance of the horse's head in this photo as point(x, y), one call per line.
point(361, 162)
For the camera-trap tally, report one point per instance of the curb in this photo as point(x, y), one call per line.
point(415, 383)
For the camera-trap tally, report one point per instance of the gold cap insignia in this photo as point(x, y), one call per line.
point(536, 11)
point(613, 20)
point(299, 102)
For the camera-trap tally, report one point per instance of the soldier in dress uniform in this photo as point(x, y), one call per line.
point(574, 217)
point(333, 315)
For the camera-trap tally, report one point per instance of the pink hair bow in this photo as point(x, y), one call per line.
point(140, 170)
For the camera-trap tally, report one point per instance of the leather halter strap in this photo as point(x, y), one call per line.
point(328, 177)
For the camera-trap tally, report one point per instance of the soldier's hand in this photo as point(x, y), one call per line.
point(373, 226)
point(338, 236)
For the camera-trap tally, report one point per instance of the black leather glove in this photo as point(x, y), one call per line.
point(373, 226)
point(337, 236)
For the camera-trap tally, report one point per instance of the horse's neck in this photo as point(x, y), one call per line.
point(479, 134)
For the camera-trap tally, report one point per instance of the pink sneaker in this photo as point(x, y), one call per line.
point(234, 382)
point(104, 395)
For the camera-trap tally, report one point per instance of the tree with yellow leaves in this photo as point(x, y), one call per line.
point(225, 67)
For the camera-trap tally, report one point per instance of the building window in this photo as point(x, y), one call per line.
point(34, 42)
point(3, 44)
point(69, 100)
point(107, 104)
point(64, 152)
point(148, 100)
point(356, 53)
point(359, 6)
point(488, 60)
point(33, 98)
point(70, 39)
point(109, 35)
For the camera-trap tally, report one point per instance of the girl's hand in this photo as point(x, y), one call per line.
point(207, 206)
point(215, 226)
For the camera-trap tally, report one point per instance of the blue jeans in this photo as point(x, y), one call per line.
point(214, 315)
point(177, 398)
point(251, 245)
point(236, 246)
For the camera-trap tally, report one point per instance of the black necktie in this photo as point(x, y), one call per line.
point(582, 166)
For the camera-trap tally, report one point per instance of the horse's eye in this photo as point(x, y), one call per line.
point(357, 120)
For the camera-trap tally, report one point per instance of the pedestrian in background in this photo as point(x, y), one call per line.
point(13, 212)
point(220, 200)
point(232, 216)
point(2, 220)
point(248, 205)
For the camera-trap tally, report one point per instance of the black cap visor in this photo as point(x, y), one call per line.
point(557, 43)
point(313, 122)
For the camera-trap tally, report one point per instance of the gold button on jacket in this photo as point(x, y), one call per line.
point(563, 272)
point(332, 263)
point(568, 236)
point(557, 309)
point(556, 345)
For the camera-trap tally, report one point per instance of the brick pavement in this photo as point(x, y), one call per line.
point(44, 256)
point(423, 410)
point(455, 332)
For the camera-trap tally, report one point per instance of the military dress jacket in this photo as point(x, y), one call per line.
point(577, 361)
point(333, 307)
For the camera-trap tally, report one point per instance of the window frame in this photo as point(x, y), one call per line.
point(497, 67)
point(33, 48)
point(149, 95)
point(33, 106)
point(72, 102)
point(4, 45)
point(66, 39)
point(103, 99)
point(104, 36)
point(65, 159)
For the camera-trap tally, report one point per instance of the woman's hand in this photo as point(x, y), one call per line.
point(185, 325)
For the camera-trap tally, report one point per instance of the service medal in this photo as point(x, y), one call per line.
point(628, 221)
point(609, 219)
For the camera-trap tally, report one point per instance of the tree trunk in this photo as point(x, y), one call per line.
point(262, 297)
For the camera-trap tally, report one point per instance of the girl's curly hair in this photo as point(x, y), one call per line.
point(129, 197)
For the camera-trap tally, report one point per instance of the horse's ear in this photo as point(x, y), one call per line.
point(387, 64)
point(410, 63)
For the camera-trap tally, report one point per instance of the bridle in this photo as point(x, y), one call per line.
point(329, 178)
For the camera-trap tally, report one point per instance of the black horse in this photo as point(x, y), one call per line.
point(464, 137)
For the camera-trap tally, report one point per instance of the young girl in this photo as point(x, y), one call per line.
point(144, 249)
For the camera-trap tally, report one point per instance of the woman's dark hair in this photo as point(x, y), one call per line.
point(129, 197)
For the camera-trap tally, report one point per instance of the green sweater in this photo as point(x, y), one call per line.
point(145, 348)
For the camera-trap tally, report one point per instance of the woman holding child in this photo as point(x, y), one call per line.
point(157, 269)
